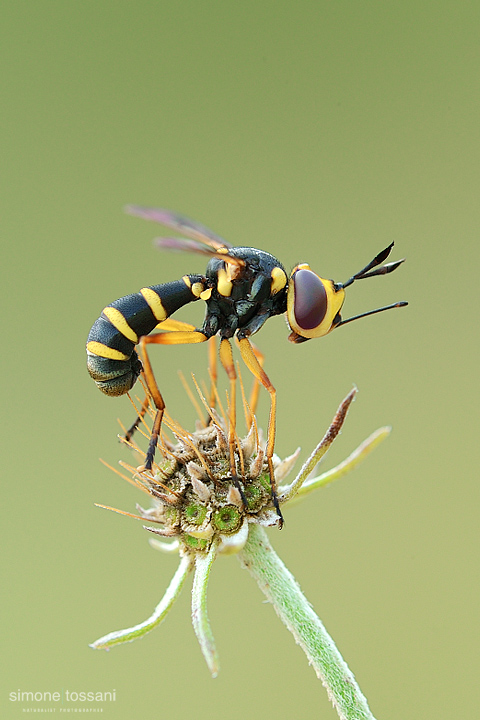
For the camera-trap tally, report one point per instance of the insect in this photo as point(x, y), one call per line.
point(242, 287)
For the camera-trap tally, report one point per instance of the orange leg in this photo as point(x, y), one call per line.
point(168, 325)
point(171, 325)
point(256, 385)
point(212, 365)
point(164, 338)
point(254, 394)
point(226, 358)
point(251, 360)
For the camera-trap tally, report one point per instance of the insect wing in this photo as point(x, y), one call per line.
point(184, 245)
point(180, 223)
point(179, 244)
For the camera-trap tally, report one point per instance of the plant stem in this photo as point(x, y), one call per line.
point(350, 463)
point(282, 590)
point(173, 591)
point(201, 624)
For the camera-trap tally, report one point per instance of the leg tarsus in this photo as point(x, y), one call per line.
point(276, 504)
point(140, 416)
point(152, 445)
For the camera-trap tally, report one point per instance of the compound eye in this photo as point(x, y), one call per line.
point(310, 299)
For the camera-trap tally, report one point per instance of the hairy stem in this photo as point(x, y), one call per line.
point(201, 624)
point(173, 591)
point(282, 590)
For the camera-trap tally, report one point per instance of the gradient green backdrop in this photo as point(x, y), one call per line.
point(319, 131)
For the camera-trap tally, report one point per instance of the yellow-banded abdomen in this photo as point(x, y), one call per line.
point(111, 357)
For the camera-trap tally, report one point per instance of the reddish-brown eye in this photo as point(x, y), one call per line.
point(310, 299)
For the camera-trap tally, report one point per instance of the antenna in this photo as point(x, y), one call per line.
point(402, 303)
point(373, 268)
point(377, 260)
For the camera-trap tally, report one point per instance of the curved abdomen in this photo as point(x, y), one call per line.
point(111, 357)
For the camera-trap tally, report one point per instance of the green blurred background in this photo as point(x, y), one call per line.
point(319, 131)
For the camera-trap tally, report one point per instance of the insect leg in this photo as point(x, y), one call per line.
point(157, 399)
point(254, 394)
point(212, 366)
point(182, 337)
point(251, 361)
point(164, 338)
point(172, 325)
point(140, 416)
point(226, 358)
point(256, 385)
point(168, 325)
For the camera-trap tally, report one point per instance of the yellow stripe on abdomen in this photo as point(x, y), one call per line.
point(101, 350)
point(154, 302)
point(120, 324)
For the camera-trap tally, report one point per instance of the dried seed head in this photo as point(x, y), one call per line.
point(200, 493)
point(210, 485)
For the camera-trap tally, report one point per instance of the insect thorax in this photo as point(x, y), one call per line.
point(242, 297)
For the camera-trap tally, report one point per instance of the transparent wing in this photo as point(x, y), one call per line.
point(184, 245)
point(180, 223)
